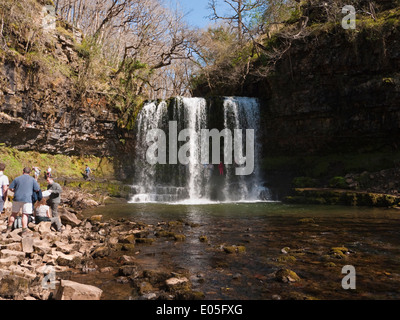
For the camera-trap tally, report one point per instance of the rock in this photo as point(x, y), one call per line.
point(70, 260)
point(101, 252)
point(12, 246)
point(203, 238)
point(177, 283)
point(14, 235)
point(145, 287)
point(234, 249)
point(128, 270)
point(70, 290)
point(5, 262)
point(41, 247)
point(145, 240)
point(285, 250)
point(339, 252)
point(124, 260)
point(11, 253)
point(44, 227)
point(286, 275)
point(27, 245)
point(12, 285)
point(68, 218)
point(128, 239)
point(179, 237)
point(127, 247)
point(286, 259)
point(96, 218)
point(64, 247)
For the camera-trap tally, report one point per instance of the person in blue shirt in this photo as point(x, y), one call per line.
point(23, 187)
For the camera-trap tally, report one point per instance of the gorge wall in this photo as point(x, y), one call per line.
point(334, 92)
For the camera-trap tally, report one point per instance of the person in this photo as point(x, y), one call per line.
point(42, 213)
point(23, 188)
point(37, 196)
point(48, 173)
point(221, 168)
point(88, 171)
point(3, 186)
point(36, 171)
point(54, 198)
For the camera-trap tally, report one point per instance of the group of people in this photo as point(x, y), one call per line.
point(29, 198)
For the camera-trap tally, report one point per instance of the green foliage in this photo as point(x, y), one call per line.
point(338, 182)
point(304, 182)
point(62, 166)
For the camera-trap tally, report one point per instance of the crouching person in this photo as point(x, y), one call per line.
point(42, 213)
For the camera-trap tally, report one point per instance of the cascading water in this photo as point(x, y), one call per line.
point(193, 181)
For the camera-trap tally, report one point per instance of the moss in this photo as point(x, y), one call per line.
point(179, 237)
point(338, 252)
point(145, 240)
point(286, 275)
point(306, 220)
point(203, 238)
point(304, 182)
point(338, 182)
point(287, 259)
point(164, 233)
point(234, 249)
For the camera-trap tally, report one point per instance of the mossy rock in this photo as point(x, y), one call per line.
point(285, 250)
point(203, 238)
point(287, 259)
point(286, 275)
point(189, 295)
point(175, 223)
point(128, 239)
point(179, 237)
point(330, 264)
point(145, 240)
point(307, 220)
point(164, 233)
point(96, 218)
point(338, 252)
point(234, 249)
point(127, 246)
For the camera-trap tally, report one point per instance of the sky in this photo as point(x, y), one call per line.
point(197, 11)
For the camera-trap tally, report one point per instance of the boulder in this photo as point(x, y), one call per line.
point(5, 262)
point(101, 252)
point(177, 283)
point(44, 227)
point(69, 260)
point(96, 218)
point(12, 253)
point(124, 260)
point(68, 218)
point(286, 275)
point(128, 270)
point(27, 245)
point(70, 290)
point(12, 285)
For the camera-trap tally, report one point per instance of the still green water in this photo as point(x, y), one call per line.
point(371, 235)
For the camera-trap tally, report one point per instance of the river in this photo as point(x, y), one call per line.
point(371, 236)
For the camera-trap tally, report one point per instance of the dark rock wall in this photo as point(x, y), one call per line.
point(334, 93)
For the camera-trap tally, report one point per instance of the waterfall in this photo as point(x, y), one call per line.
point(192, 181)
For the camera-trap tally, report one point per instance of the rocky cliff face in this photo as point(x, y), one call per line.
point(39, 109)
point(335, 92)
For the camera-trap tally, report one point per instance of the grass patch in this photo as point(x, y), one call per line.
point(62, 166)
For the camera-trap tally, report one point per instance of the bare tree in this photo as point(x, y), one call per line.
point(238, 8)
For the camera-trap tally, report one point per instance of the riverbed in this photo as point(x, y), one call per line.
point(273, 236)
